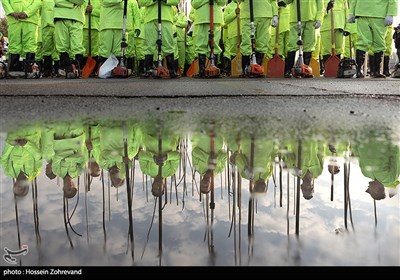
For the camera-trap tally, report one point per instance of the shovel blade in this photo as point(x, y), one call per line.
point(88, 69)
point(192, 69)
point(331, 66)
point(276, 67)
point(314, 64)
point(236, 66)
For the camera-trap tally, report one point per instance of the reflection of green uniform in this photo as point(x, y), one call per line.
point(379, 159)
point(150, 149)
point(64, 145)
point(201, 151)
point(27, 158)
point(312, 157)
point(264, 155)
point(108, 144)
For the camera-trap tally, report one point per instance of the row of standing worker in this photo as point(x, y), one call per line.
point(71, 149)
point(58, 36)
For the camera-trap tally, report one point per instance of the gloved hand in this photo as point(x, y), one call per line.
point(346, 33)
point(329, 6)
point(249, 174)
point(281, 4)
point(137, 32)
point(275, 21)
point(317, 24)
point(388, 20)
point(351, 19)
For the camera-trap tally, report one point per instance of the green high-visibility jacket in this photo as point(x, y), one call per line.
point(151, 11)
point(310, 10)
point(27, 158)
point(373, 8)
point(47, 13)
point(261, 8)
point(112, 12)
point(230, 19)
point(95, 16)
point(70, 9)
point(202, 11)
point(340, 15)
point(30, 7)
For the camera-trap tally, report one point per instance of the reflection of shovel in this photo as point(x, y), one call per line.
point(276, 65)
point(87, 70)
point(332, 63)
point(236, 63)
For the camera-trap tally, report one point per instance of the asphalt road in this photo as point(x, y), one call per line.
point(348, 104)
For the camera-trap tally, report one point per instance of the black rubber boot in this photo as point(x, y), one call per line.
point(245, 65)
point(81, 61)
point(148, 66)
point(226, 66)
point(47, 66)
point(202, 65)
point(31, 67)
point(259, 58)
point(360, 59)
point(130, 64)
point(386, 71)
point(141, 67)
point(371, 65)
point(13, 63)
point(171, 65)
point(377, 65)
point(307, 57)
point(289, 62)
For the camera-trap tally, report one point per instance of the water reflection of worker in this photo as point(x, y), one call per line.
point(21, 158)
point(256, 166)
point(64, 148)
point(108, 147)
point(204, 160)
point(379, 160)
point(312, 162)
point(150, 158)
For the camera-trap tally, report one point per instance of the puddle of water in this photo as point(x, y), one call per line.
point(232, 225)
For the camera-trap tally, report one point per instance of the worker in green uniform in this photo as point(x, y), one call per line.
point(311, 19)
point(373, 17)
point(22, 26)
point(339, 8)
point(21, 158)
point(231, 34)
point(265, 15)
point(283, 33)
point(201, 30)
point(181, 24)
point(150, 18)
point(69, 18)
point(134, 32)
point(49, 52)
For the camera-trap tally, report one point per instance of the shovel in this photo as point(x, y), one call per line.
point(332, 63)
point(276, 65)
point(90, 65)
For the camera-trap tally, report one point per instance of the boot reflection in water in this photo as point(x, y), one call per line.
point(307, 186)
point(157, 188)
